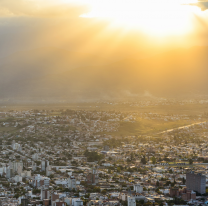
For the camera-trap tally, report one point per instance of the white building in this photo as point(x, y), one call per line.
point(2, 170)
point(18, 178)
point(44, 164)
point(26, 173)
point(46, 182)
point(138, 188)
point(48, 170)
point(35, 156)
point(15, 165)
point(76, 202)
point(16, 146)
point(9, 173)
point(19, 169)
point(131, 201)
point(72, 182)
point(34, 166)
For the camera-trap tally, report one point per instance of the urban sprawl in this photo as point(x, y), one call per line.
point(78, 157)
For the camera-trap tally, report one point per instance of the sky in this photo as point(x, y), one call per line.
point(28, 24)
point(94, 45)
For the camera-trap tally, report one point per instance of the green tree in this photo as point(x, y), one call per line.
point(153, 159)
point(143, 160)
point(191, 161)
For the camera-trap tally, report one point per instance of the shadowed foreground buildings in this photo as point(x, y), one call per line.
point(92, 177)
point(196, 182)
point(185, 194)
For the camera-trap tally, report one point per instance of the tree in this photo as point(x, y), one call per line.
point(153, 159)
point(191, 161)
point(132, 156)
point(184, 181)
point(16, 196)
point(104, 192)
point(143, 160)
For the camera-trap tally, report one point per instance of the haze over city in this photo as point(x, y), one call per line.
point(103, 102)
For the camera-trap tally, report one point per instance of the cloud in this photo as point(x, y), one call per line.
point(38, 8)
point(201, 4)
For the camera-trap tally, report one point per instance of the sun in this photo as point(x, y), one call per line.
point(154, 17)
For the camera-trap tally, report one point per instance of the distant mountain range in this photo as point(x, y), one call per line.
point(59, 74)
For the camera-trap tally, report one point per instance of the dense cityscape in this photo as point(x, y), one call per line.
point(86, 157)
point(103, 102)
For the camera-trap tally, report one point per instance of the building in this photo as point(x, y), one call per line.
point(72, 182)
point(9, 173)
point(16, 165)
point(131, 201)
point(189, 195)
point(78, 203)
point(174, 192)
point(183, 193)
point(196, 182)
point(46, 202)
point(45, 194)
point(35, 156)
point(16, 146)
point(46, 182)
point(18, 178)
point(19, 169)
point(60, 204)
point(92, 178)
point(138, 188)
point(49, 170)
point(34, 166)
point(41, 181)
point(54, 199)
point(24, 202)
point(44, 165)
point(106, 148)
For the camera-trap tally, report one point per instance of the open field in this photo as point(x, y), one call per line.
point(148, 127)
point(8, 129)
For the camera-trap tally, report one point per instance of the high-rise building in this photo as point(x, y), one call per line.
point(92, 178)
point(19, 169)
point(48, 170)
point(72, 182)
point(138, 188)
point(196, 182)
point(9, 173)
point(131, 201)
point(45, 194)
point(44, 164)
point(24, 202)
point(46, 182)
point(34, 166)
point(18, 178)
point(15, 165)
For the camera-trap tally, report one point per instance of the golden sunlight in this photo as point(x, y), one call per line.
point(160, 17)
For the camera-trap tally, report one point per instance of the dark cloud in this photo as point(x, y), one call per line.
point(201, 4)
